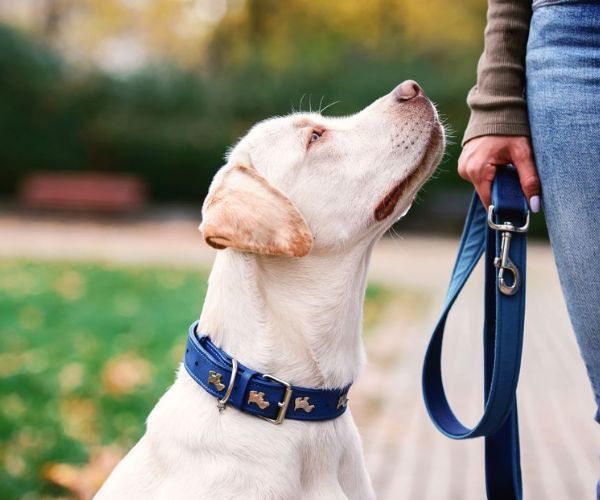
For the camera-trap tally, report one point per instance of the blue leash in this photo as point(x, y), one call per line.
point(501, 233)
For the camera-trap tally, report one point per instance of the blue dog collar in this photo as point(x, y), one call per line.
point(256, 393)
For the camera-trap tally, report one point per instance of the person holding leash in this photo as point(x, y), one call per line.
point(536, 105)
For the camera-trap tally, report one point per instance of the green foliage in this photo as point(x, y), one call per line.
point(67, 332)
point(172, 125)
point(61, 318)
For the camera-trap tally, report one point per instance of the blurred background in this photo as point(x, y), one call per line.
point(158, 89)
point(114, 116)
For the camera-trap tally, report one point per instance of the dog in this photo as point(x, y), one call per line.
point(295, 213)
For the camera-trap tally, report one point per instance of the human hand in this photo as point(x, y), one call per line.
point(481, 155)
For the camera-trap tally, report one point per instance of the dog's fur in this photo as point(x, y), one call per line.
point(297, 215)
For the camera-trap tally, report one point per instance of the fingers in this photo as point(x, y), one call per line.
point(482, 178)
point(478, 160)
point(480, 172)
point(528, 176)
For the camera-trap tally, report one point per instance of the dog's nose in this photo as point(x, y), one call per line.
point(407, 90)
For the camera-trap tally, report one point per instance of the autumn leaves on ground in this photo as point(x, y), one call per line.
point(85, 352)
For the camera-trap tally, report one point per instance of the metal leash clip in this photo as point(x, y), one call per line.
point(503, 262)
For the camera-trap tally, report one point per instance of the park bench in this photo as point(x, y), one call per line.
point(94, 191)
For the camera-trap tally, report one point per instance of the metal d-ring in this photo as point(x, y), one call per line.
point(221, 403)
point(507, 226)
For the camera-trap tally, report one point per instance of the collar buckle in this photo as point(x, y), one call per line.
point(283, 405)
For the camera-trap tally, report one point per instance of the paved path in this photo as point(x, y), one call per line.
point(406, 456)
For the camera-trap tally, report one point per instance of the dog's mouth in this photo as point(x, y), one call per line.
point(388, 203)
point(431, 157)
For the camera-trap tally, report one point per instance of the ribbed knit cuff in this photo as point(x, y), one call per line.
point(498, 122)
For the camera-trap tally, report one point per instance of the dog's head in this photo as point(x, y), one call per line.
point(305, 182)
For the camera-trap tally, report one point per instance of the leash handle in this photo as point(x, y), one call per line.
point(501, 233)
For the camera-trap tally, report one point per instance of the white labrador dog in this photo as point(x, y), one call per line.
point(297, 209)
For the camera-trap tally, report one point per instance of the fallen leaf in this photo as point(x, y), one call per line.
point(124, 373)
point(79, 419)
point(70, 285)
point(84, 482)
point(70, 376)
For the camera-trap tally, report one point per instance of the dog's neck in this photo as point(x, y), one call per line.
point(297, 319)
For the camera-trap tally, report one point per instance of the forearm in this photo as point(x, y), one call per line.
point(497, 102)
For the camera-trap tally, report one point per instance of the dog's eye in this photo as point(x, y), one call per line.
point(315, 136)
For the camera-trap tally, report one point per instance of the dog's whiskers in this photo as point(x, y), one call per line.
point(301, 101)
point(328, 106)
point(395, 235)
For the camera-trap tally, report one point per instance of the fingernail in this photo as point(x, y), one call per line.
point(534, 204)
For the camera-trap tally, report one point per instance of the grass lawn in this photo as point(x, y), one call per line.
point(85, 352)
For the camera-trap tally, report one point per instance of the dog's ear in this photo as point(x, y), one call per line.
point(245, 212)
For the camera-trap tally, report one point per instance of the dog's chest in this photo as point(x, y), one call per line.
point(186, 428)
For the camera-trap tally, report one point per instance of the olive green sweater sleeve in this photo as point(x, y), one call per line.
point(497, 102)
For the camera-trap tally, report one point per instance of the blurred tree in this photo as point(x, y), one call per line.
point(52, 18)
point(162, 87)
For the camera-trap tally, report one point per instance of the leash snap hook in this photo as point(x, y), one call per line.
point(504, 264)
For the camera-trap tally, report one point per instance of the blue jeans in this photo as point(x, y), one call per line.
point(563, 98)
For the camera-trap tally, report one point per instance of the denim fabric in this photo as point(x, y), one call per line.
point(563, 98)
point(542, 3)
